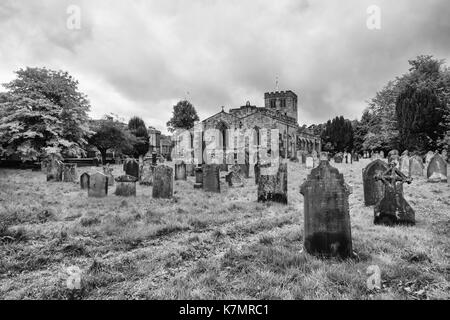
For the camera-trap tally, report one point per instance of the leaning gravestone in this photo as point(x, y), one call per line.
point(211, 178)
point(415, 166)
point(69, 172)
point(309, 162)
point(54, 170)
point(98, 185)
point(126, 186)
point(163, 182)
point(272, 184)
point(107, 171)
point(437, 169)
point(180, 171)
point(84, 181)
point(198, 178)
point(373, 189)
point(326, 209)
point(131, 168)
point(393, 208)
point(404, 164)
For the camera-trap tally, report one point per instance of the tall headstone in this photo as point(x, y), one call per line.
point(131, 168)
point(326, 209)
point(416, 166)
point(303, 158)
point(163, 182)
point(211, 178)
point(393, 208)
point(309, 162)
point(107, 171)
point(190, 169)
point(404, 164)
point(373, 189)
point(84, 180)
point(180, 171)
point(437, 169)
point(126, 186)
point(154, 159)
point(198, 178)
point(98, 185)
point(428, 157)
point(257, 169)
point(147, 174)
point(272, 184)
point(69, 172)
point(54, 170)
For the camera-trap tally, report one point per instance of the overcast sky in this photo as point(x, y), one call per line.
point(141, 57)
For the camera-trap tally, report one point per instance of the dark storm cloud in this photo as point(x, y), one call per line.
point(140, 57)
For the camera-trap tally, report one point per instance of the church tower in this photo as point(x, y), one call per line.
point(282, 101)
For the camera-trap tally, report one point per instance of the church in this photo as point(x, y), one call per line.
point(280, 112)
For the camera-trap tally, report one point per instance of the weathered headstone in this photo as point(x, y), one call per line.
point(272, 184)
point(163, 182)
point(69, 172)
point(309, 162)
point(373, 189)
point(198, 178)
point(326, 209)
point(235, 177)
point(126, 186)
point(147, 171)
point(382, 154)
point(154, 159)
point(180, 171)
point(393, 208)
point(98, 185)
point(428, 156)
point(84, 181)
point(190, 169)
point(404, 164)
point(107, 171)
point(257, 169)
point(338, 158)
point(437, 169)
point(303, 158)
point(54, 170)
point(211, 178)
point(444, 155)
point(131, 168)
point(416, 166)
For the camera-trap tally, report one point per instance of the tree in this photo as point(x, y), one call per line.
point(138, 128)
point(110, 134)
point(184, 116)
point(43, 112)
point(338, 135)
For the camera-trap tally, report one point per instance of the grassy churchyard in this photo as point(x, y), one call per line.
point(210, 246)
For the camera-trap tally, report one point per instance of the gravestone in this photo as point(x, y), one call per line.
point(437, 169)
point(198, 178)
point(69, 172)
point(235, 177)
point(84, 181)
point(126, 186)
point(309, 162)
point(404, 164)
point(163, 182)
point(444, 155)
point(147, 174)
point(98, 185)
point(272, 184)
point(211, 178)
point(180, 171)
point(107, 171)
point(416, 166)
point(190, 169)
point(303, 158)
point(428, 157)
point(382, 154)
point(154, 159)
point(257, 168)
point(131, 168)
point(393, 153)
point(327, 229)
point(393, 208)
point(54, 170)
point(373, 189)
point(338, 158)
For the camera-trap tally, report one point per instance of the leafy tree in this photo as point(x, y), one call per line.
point(338, 135)
point(110, 134)
point(184, 116)
point(138, 128)
point(42, 113)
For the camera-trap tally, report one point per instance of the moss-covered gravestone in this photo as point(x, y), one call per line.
point(393, 208)
point(327, 219)
point(163, 182)
point(437, 169)
point(126, 186)
point(211, 178)
point(373, 189)
point(84, 181)
point(272, 183)
point(98, 185)
point(180, 171)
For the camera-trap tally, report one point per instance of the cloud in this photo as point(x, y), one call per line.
point(140, 57)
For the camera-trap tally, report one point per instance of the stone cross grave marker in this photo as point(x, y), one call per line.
point(163, 182)
point(373, 189)
point(98, 185)
point(437, 169)
point(327, 229)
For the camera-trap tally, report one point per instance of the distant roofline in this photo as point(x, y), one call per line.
point(274, 93)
